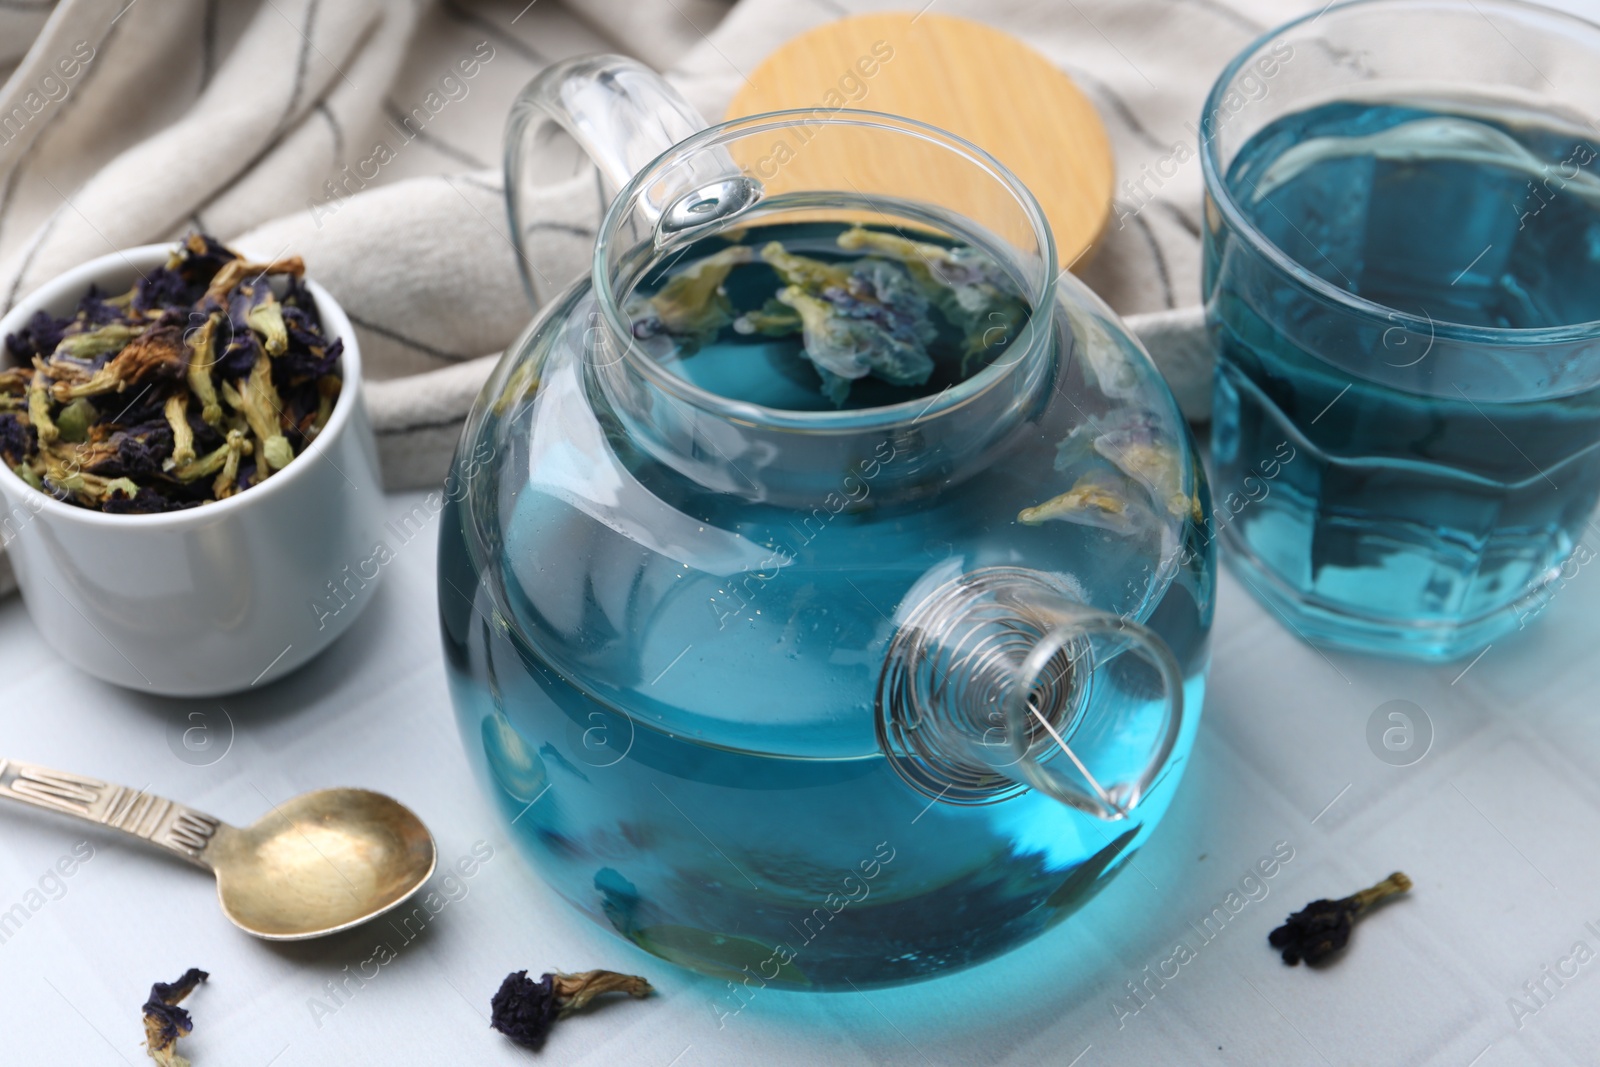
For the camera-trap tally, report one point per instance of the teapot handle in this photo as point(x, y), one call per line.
point(624, 116)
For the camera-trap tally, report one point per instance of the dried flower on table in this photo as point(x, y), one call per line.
point(207, 377)
point(1322, 927)
point(525, 1010)
point(165, 1022)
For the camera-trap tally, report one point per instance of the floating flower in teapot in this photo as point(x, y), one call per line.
point(871, 316)
point(1147, 481)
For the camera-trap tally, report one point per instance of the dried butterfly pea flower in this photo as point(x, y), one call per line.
point(256, 398)
point(156, 355)
point(39, 337)
point(202, 357)
point(134, 452)
point(104, 416)
point(307, 354)
point(525, 1010)
point(850, 348)
point(14, 389)
point(108, 338)
point(242, 289)
point(17, 440)
point(266, 318)
point(311, 363)
point(183, 279)
point(119, 489)
point(967, 286)
point(241, 346)
point(307, 406)
point(177, 413)
point(202, 256)
point(1099, 499)
point(237, 270)
point(145, 502)
point(69, 483)
point(74, 420)
point(890, 296)
point(206, 436)
point(300, 326)
point(39, 406)
point(136, 406)
point(67, 370)
point(1323, 927)
point(327, 395)
point(165, 1022)
point(803, 272)
point(692, 306)
point(227, 481)
point(62, 460)
point(772, 319)
point(215, 460)
point(99, 309)
point(162, 288)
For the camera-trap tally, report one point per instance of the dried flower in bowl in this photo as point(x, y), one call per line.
point(204, 379)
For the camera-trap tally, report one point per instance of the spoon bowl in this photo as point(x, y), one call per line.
point(320, 863)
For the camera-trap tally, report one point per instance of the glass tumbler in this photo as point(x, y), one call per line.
point(1402, 284)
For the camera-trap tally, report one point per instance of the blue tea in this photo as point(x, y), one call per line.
point(1406, 475)
point(671, 628)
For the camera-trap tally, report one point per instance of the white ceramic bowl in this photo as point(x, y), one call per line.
point(217, 598)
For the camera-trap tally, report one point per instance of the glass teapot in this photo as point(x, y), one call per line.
point(824, 585)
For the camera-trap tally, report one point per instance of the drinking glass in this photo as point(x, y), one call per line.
point(1402, 282)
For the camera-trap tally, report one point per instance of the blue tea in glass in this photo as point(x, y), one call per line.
point(1402, 277)
point(806, 625)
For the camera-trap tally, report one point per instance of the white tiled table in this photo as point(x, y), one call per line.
point(1499, 825)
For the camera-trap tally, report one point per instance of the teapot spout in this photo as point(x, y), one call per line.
point(1003, 680)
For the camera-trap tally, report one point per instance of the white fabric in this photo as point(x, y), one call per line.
point(262, 123)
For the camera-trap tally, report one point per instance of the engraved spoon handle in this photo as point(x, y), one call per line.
point(164, 823)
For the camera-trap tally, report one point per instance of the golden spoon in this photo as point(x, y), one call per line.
point(316, 864)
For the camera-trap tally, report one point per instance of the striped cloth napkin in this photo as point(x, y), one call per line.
point(365, 136)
